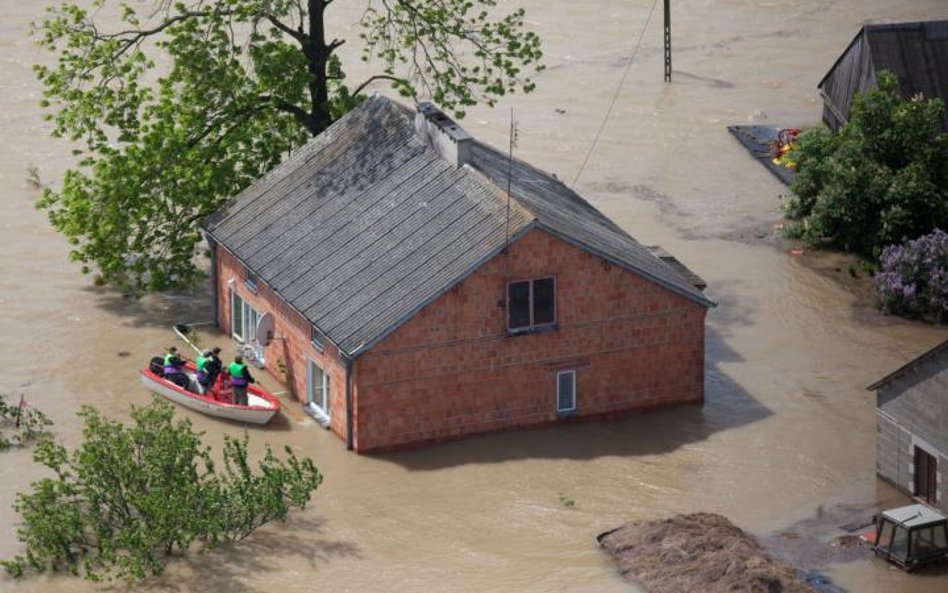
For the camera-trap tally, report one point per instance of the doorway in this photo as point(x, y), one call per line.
point(926, 476)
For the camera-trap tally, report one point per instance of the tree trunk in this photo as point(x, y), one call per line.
point(317, 56)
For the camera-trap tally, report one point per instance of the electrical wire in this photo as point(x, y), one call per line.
point(615, 97)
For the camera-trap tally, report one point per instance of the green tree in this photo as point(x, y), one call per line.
point(245, 82)
point(882, 179)
point(130, 496)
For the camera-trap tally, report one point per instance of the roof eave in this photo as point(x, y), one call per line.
point(841, 55)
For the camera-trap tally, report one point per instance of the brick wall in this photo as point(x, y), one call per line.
point(292, 344)
point(452, 369)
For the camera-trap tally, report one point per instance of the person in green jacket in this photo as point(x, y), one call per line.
point(208, 367)
point(240, 377)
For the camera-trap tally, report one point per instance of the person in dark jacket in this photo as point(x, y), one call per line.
point(213, 365)
point(208, 367)
point(240, 378)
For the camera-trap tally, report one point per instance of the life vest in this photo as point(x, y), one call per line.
point(236, 372)
point(170, 368)
point(201, 374)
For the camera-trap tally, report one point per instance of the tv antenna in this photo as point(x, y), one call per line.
point(513, 134)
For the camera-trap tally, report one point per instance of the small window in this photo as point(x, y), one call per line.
point(941, 536)
point(923, 541)
point(565, 392)
point(251, 281)
point(531, 304)
point(315, 337)
point(900, 540)
point(884, 539)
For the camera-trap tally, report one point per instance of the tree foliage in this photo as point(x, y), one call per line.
point(21, 423)
point(241, 83)
point(130, 496)
point(883, 178)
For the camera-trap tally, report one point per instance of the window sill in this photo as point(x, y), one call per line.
point(567, 413)
point(532, 330)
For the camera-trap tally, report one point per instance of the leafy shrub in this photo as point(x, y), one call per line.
point(130, 496)
point(913, 279)
point(882, 179)
point(20, 424)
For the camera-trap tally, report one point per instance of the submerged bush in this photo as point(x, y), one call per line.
point(882, 179)
point(130, 496)
point(21, 423)
point(913, 278)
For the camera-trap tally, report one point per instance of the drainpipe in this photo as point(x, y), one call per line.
point(349, 403)
point(350, 359)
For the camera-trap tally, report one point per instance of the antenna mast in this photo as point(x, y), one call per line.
point(513, 142)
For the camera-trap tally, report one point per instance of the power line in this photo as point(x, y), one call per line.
point(615, 97)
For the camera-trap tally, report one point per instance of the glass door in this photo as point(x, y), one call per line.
point(251, 319)
point(317, 387)
point(243, 324)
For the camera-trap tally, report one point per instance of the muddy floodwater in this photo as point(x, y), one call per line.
point(784, 444)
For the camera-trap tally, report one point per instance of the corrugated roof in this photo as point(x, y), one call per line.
point(917, 53)
point(914, 515)
point(564, 213)
point(367, 224)
point(905, 368)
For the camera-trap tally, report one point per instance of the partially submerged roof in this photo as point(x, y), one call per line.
point(910, 365)
point(914, 515)
point(917, 53)
point(368, 223)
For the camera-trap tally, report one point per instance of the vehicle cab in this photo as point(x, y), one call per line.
point(911, 536)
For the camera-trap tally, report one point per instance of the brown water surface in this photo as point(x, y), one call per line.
point(788, 428)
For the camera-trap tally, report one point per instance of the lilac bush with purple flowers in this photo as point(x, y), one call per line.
point(913, 278)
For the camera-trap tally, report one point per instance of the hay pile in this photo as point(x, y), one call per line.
point(699, 553)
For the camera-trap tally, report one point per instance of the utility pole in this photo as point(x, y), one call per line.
point(668, 41)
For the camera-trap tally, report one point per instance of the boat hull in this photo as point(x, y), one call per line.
point(262, 405)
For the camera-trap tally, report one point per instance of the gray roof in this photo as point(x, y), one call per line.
point(367, 224)
point(917, 53)
point(910, 365)
point(914, 515)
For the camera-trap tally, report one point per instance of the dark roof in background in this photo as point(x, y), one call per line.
point(909, 366)
point(917, 53)
point(367, 224)
point(683, 270)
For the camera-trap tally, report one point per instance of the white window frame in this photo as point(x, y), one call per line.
point(322, 407)
point(533, 326)
point(247, 332)
point(559, 410)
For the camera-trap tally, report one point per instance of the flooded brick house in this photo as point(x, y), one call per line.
point(384, 273)
point(912, 417)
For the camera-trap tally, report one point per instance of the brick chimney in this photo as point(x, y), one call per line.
point(451, 141)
